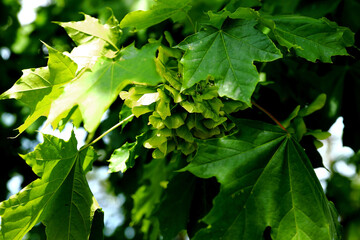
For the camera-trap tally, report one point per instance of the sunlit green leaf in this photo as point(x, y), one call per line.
point(119, 157)
point(174, 121)
point(60, 198)
point(162, 10)
point(38, 88)
point(96, 90)
point(163, 106)
point(84, 31)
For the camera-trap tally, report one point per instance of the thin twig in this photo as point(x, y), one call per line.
point(109, 130)
point(271, 116)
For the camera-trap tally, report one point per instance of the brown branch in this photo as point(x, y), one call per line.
point(271, 116)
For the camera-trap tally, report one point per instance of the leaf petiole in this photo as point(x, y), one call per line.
point(270, 115)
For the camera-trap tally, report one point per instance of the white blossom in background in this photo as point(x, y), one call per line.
point(333, 150)
point(27, 13)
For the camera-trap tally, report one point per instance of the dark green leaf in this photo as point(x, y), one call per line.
point(174, 210)
point(155, 180)
point(312, 39)
point(97, 226)
point(268, 181)
point(227, 55)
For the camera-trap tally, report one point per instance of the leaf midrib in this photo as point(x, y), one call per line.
point(256, 182)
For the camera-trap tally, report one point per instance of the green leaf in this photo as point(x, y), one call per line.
point(317, 104)
point(176, 201)
point(84, 31)
point(300, 127)
point(119, 158)
point(124, 113)
point(97, 226)
point(184, 133)
point(156, 174)
point(38, 88)
point(312, 39)
point(217, 19)
point(124, 157)
point(140, 99)
point(93, 40)
point(94, 91)
point(234, 4)
point(156, 141)
point(244, 13)
point(286, 123)
point(163, 106)
point(174, 121)
point(318, 134)
point(60, 198)
point(268, 181)
point(162, 10)
point(227, 55)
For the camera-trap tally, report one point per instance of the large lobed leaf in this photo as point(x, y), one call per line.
point(266, 181)
point(60, 198)
point(97, 89)
point(37, 88)
point(228, 54)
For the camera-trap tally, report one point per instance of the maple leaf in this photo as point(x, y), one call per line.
point(176, 201)
point(93, 40)
point(124, 157)
point(119, 158)
point(60, 198)
point(37, 88)
point(94, 91)
point(82, 32)
point(268, 181)
point(311, 38)
point(227, 54)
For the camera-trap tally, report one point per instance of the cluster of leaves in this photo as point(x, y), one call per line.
point(190, 96)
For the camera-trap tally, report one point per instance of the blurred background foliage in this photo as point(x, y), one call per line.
point(297, 82)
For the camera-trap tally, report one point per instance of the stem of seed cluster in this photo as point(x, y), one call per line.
point(271, 116)
point(109, 130)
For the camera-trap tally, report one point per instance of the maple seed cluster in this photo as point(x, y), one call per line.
point(178, 118)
